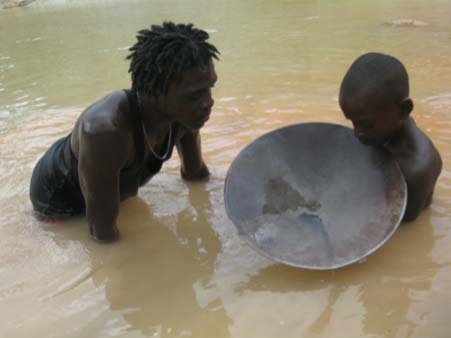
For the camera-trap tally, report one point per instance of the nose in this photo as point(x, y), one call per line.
point(358, 130)
point(208, 101)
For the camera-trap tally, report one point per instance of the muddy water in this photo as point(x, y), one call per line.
point(179, 269)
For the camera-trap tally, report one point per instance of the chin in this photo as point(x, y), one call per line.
point(373, 143)
point(368, 141)
point(194, 126)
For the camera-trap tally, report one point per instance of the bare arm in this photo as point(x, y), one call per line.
point(101, 156)
point(420, 163)
point(189, 149)
point(418, 195)
point(420, 187)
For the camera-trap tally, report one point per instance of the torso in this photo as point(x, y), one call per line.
point(118, 113)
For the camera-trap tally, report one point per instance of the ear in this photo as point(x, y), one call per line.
point(406, 107)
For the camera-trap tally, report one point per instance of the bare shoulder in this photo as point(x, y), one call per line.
point(421, 165)
point(109, 114)
point(103, 126)
point(427, 157)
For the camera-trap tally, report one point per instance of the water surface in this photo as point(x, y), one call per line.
point(180, 269)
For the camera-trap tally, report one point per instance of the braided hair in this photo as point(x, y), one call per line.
point(165, 52)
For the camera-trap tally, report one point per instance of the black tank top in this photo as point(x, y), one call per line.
point(144, 165)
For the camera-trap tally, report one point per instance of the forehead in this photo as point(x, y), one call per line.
point(365, 104)
point(194, 79)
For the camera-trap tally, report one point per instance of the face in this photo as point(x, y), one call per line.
point(189, 99)
point(375, 119)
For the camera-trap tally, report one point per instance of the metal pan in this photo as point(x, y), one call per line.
point(311, 196)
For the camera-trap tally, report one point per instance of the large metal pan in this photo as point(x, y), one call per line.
point(311, 196)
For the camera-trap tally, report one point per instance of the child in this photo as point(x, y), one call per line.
point(374, 95)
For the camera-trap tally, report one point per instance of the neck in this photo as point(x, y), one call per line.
point(153, 117)
point(403, 140)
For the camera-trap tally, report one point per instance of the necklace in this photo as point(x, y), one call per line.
point(154, 153)
point(165, 155)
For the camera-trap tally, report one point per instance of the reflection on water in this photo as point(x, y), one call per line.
point(155, 272)
point(384, 290)
point(180, 270)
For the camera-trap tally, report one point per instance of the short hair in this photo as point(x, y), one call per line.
point(164, 52)
point(376, 73)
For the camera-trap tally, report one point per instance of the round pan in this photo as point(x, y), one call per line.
point(311, 196)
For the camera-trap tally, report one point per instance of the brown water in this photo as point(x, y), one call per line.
point(180, 269)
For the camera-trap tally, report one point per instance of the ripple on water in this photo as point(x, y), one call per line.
point(4, 114)
point(439, 104)
point(408, 23)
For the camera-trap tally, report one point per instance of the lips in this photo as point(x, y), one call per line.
point(197, 124)
point(203, 119)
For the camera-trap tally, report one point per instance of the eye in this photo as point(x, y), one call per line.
point(195, 96)
point(365, 124)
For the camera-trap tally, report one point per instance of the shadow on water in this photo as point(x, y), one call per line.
point(388, 284)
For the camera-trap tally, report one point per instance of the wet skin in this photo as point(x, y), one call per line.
point(103, 142)
point(379, 121)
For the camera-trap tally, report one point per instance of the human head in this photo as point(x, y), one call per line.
point(162, 53)
point(374, 95)
point(171, 65)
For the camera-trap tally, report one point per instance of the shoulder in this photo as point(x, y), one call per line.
point(428, 157)
point(110, 114)
point(424, 164)
point(105, 129)
point(421, 165)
